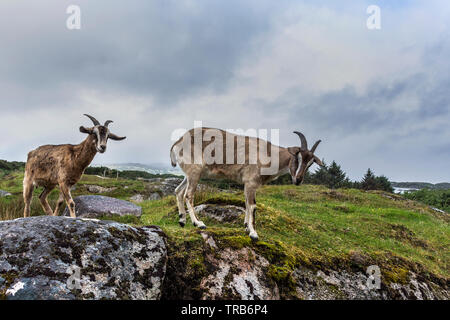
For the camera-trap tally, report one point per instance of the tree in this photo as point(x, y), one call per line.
point(331, 176)
point(369, 181)
point(384, 184)
point(320, 176)
point(372, 182)
point(337, 177)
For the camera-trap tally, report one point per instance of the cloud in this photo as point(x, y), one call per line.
point(162, 49)
point(377, 99)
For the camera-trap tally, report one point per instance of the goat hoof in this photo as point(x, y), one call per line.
point(182, 223)
point(254, 236)
point(200, 225)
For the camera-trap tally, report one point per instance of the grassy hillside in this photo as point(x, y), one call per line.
point(307, 225)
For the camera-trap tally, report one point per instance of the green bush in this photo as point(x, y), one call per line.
point(435, 198)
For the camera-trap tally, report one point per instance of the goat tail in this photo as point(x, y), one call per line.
point(173, 157)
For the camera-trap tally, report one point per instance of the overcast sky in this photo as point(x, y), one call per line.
point(376, 98)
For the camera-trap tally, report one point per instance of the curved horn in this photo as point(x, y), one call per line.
point(95, 121)
point(303, 140)
point(107, 123)
point(315, 146)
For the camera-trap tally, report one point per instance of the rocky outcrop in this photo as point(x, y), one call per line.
point(4, 193)
point(222, 213)
point(241, 274)
point(62, 258)
point(100, 206)
point(353, 285)
point(230, 267)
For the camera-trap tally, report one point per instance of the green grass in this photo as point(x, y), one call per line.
point(308, 225)
point(318, 225)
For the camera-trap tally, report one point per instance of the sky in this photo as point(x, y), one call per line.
point(377, 98)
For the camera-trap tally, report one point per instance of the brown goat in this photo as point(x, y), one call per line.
point(63, 165)
point(231, 156)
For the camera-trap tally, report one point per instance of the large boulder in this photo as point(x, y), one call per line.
point(62, 258)
point(101, 206)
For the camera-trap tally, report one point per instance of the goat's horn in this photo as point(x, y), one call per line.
point(315, 146)
point(95, 121)
point(302, 139)
point(108, 122)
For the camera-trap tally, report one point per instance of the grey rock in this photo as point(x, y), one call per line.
point(243, 274)
point(62, 258)
point(343, 284)
point(99, 189)
point(222, 213)
point(240, 274)
point(154, 196)
point(437, 210)
point(164, 186)
point(4, 193)
point(138, 198)
point(100, 206)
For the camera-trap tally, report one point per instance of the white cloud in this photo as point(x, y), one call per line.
point(371, 96)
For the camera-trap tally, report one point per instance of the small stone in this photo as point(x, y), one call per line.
point(137, 198)
point(4, 193)
point(154, 196)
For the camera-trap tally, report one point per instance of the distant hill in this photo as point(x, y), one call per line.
point(150, 168)
point(421, 185)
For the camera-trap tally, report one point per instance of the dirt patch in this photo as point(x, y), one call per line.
point(290, 194)
point(402, 233)
point(343, 208)
point(333, 194)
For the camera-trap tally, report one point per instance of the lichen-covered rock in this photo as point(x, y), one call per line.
point(62, 258)
point(222, 213)
point(352, 285)
point(241, 274)
point(225, 266)
point(101, 206)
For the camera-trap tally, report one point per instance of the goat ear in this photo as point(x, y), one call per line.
point(85, 130)
point(318, 161)
point(114, 137)
point(294, 150)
